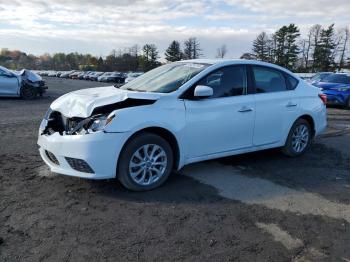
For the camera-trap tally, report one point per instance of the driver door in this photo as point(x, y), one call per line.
point(8, 84)
point(224, 121)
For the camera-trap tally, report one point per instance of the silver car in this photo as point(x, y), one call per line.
point(25, 84)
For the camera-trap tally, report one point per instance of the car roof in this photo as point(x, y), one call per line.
point(224, 62)
point(5, 69)
point(346, 74)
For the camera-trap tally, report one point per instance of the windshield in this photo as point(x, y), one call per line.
point(338, 78)
point(166, 78)
point(320, 76)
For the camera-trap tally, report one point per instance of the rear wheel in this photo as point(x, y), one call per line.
point(28, 92)
point(299, 139)
point(145, 162)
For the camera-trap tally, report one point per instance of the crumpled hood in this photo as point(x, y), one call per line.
point(29, 75)
point(81, 103)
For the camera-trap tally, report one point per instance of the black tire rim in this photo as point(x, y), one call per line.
point(28, 92)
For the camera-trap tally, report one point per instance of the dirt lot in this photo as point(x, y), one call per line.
point(255, 207)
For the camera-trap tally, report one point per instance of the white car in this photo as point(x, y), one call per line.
point(132, 76)
point(177, 114)
point(25, 84)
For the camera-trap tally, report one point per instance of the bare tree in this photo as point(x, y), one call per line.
point(248, 56)
point(307, 48)
point(192, 49)
point(221, 51)
point(315, 31)
point(344, 46)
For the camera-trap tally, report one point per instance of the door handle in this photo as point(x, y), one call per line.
point(291, 104)
point(245, 109)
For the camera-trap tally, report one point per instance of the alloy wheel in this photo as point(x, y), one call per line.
point(148, 164)
point(300, 138)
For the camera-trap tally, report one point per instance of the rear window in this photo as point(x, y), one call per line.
point(268, 80)
point(338, 78)
point(291, 82)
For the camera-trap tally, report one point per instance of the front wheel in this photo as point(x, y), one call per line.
point(145, 163)
point(299, 139)
point(28, 92)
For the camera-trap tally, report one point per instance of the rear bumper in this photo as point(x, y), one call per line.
point(320, 120)
point(100, 151)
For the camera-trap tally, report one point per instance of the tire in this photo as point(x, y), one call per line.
point(133, 164)
point(300, 132)
point(28, 92)
point(348, 104)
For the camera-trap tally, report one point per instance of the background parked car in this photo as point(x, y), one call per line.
point(337, 89)
point(83, 74)
point(132, 76)
point(104, 77)
point(94, 76)
point(87, 76)
point(25, 84)
point(66, 74)
point(112, 77)
point(75, 75)
point(319, 77)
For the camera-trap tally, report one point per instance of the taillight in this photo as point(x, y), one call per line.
point(323, 97)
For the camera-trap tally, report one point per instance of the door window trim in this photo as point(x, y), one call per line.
point(284, 74)
point(189, 92)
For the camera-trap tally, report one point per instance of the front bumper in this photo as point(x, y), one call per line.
point(99, 150)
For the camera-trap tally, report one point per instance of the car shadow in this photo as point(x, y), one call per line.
point(321, 170)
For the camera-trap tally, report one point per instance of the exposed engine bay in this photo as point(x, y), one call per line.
point(100, 117)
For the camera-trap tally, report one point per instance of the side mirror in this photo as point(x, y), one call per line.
point(203, 91)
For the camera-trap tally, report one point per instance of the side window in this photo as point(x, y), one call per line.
point(1, 72)
point(268, 80)
point(291, 81)
point(227, 81)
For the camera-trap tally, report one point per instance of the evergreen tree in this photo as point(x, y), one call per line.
point(173, 53)
point(148, 60)
point(286, 45)
point(323, 53)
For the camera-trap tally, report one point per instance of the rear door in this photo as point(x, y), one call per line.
point(276, 105)
point(8, 84)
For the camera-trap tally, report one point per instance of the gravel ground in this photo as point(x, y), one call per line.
point(254, 207)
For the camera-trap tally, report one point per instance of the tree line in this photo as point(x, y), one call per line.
point(323, 48)
point(122, 60)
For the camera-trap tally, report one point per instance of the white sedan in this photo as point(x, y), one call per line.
point(177, 114)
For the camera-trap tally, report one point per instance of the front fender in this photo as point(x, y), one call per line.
point(169, 116)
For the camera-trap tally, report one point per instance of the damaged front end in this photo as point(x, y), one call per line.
point(31, 79)
point(54, 121)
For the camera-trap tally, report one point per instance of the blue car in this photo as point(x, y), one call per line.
point(337, 89)
point(319, 77)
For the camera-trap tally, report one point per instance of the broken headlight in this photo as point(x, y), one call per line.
point(92, 124)
point(99, 122)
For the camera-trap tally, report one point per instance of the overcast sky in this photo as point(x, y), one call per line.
point(98, 26)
